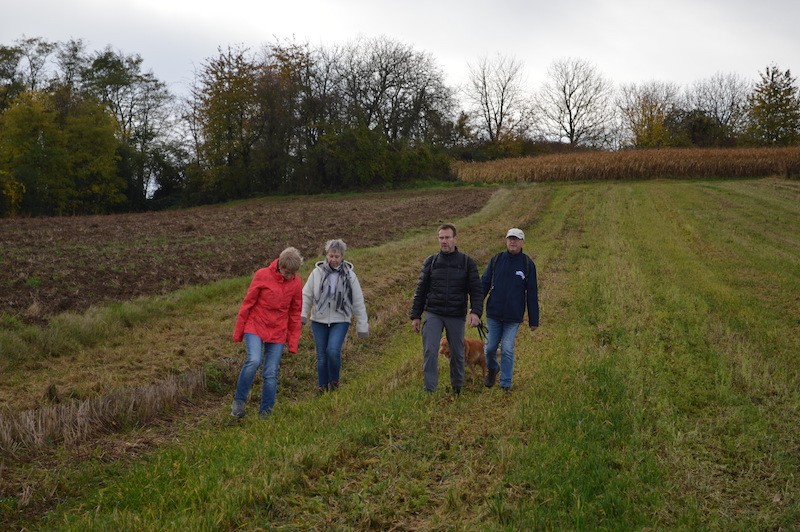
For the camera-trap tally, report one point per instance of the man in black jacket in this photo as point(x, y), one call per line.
point(446, 281)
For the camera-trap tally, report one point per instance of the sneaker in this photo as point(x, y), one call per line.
point(264, 414)
point(456, 390)
point(321, 390)
point(332, 386)
point(237, 409)
point(507, 390)
point(491, 375)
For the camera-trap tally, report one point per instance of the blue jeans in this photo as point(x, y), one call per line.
point(328, 339)
point(271, 353)
point(504, 334)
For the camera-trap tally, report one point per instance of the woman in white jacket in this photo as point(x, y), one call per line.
point(331, 297)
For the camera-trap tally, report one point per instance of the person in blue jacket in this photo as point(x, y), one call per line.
point(509, 283)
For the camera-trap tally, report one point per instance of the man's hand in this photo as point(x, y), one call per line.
point(415, 324)
point(474, 319)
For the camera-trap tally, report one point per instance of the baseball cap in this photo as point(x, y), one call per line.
point(515, 233)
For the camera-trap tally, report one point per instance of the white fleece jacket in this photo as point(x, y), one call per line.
point(329, 314)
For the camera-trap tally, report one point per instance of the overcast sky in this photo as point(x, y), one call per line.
point(627, 40)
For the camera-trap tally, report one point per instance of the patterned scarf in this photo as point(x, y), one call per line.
point(335, 286)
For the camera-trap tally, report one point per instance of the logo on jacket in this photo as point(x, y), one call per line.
point(521, 274)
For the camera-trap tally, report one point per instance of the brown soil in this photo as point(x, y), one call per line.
point(50, 265)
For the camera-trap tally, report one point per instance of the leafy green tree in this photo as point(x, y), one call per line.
point(284, 87)
point(775, 109)
point(141, 106)
point(354, 158)
point(69, 79)
point(302, 120)
point(64, 162)
point(32, 150)
point(644, 110)
point(694, 128)
point(89, 136)
point(227, 121)
point(11, 193)
point(168, 162)
point(390, 100)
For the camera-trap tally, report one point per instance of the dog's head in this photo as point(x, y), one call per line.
point(444, 348)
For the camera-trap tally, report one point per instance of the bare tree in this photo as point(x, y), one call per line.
point(11, 77)
point(723, 97)
point(36, 52)
point(323, 105)
point(72, 61)
point(389, 86)
point(496, 94)
point(576, 104)
point(644, 109)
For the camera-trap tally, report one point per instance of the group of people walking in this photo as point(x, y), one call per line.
point(277, 305)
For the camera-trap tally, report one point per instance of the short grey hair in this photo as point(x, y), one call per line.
point(290, 259)
point(335, 245)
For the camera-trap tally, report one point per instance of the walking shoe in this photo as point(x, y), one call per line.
point(491, 375)
point(507, 390)
point(332, 386)
point(456, 390)
point(264, 414)
point(321, 390)
point(237, 409)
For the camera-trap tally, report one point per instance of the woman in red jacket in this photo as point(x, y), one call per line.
point(268, 319)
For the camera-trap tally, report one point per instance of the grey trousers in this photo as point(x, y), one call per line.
point(431, 335)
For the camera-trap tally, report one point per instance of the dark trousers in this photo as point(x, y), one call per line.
point(432, 329)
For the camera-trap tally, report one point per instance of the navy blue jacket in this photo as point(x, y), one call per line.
point(514, 288)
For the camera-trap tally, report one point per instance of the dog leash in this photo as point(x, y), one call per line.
point(482, 331)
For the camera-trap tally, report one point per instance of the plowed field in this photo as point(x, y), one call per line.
point(49, 265)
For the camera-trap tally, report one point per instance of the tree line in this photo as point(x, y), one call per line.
point(93, 132)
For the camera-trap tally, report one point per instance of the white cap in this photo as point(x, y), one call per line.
point(515, 233)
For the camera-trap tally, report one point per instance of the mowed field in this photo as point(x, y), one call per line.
point(661, 390)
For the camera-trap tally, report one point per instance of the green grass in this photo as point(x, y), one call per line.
point(661, 390)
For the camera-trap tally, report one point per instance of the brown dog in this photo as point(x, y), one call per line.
point(473, 353)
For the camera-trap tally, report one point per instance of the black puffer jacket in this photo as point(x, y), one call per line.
point(445, 281)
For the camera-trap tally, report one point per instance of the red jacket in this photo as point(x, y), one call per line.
point(271, 308)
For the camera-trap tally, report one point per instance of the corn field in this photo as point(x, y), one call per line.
point(636, 164)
